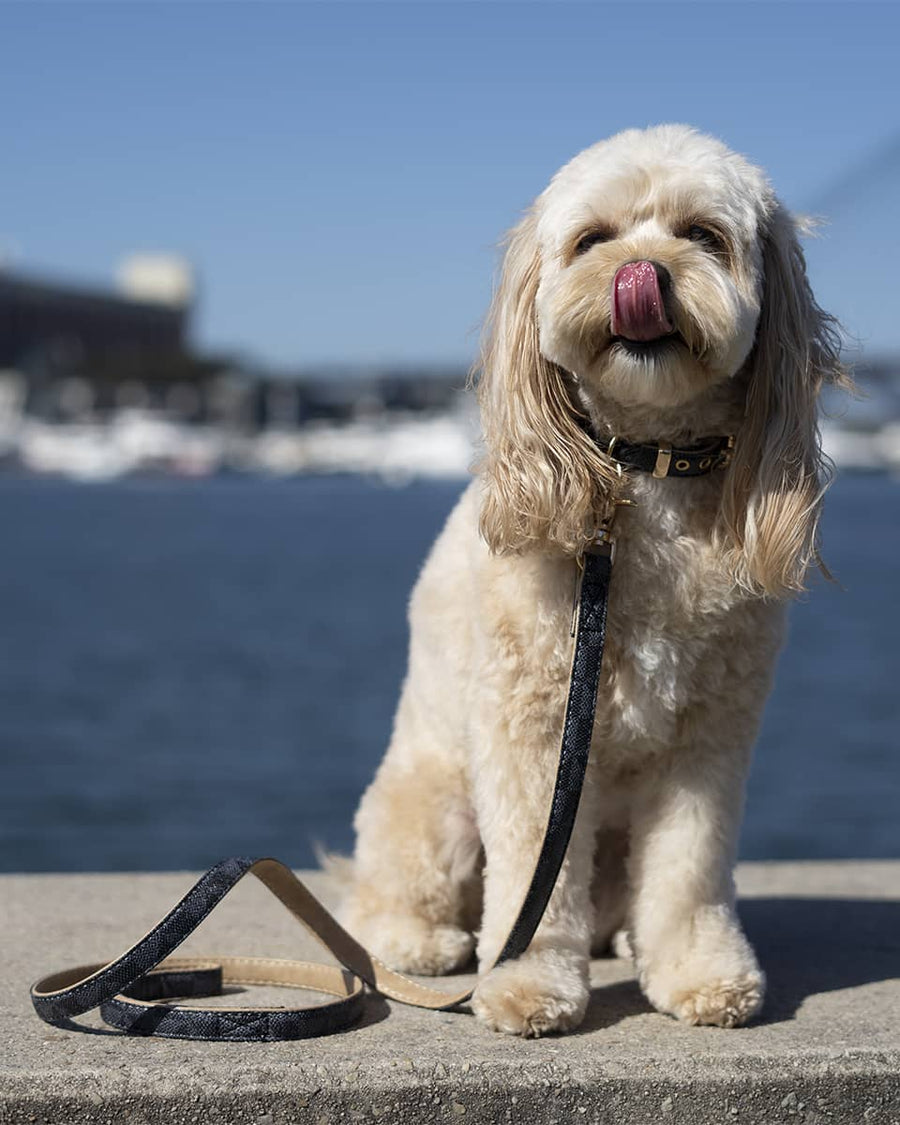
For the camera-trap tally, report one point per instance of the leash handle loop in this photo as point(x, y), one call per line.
point(132, 990)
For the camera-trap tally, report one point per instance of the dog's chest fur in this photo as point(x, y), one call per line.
point(678, 629)
point(671, 606)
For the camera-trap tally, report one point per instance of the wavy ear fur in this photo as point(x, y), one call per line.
point(545, 481)
point(773, 492)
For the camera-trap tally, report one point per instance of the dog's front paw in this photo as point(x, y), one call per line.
point(705, 972)
point(541, 992)
point(723, 1003)
point(726, 1002)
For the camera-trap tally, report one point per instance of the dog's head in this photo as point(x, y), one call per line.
point(655, 274)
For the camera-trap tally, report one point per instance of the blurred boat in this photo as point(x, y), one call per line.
point(396, 449)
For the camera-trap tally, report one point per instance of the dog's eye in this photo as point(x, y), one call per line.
point(706, 237)
point(591, 239)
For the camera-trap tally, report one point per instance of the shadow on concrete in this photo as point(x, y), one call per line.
point(83, 1029)
point(612, 1003)
point(813, 945)
point(806, 946)
point(375, 1009)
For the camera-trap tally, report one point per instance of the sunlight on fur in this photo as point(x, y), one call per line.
point(655, 292)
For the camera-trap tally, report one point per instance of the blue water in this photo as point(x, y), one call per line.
point(191, 669)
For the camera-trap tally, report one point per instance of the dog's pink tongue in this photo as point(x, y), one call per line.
point(638, 312)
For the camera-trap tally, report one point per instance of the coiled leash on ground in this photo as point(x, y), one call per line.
point(129, 991)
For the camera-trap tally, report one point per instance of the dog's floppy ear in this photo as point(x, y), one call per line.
point(773, 493)
point(545, 481)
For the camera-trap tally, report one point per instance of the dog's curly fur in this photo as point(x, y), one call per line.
point(449, 829)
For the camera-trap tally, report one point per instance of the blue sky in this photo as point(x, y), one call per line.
point(340, 173)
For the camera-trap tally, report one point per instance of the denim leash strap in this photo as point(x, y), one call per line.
point(131, 991)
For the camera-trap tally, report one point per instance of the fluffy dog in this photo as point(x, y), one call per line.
point(655, 292)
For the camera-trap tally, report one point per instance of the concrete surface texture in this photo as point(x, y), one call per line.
point(826, 1050)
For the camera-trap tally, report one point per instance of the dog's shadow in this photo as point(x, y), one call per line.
point(805, 945)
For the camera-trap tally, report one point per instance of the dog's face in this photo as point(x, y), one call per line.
point(651, 265)
point(656, 267)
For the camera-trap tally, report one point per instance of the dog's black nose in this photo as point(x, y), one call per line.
point(663, 277)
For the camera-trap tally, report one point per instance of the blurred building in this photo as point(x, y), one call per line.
point(78, 352)
point(51, 323)
point(80, 349)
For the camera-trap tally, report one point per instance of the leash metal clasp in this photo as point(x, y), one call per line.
point(603, 541)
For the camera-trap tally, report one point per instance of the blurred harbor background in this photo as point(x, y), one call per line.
point(239, 297)
point(97, 385)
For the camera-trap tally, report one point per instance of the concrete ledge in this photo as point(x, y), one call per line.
point(827, 1049)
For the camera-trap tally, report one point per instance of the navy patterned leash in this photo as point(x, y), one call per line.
point(132, 991)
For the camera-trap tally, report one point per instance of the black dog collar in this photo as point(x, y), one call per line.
point(668, 461)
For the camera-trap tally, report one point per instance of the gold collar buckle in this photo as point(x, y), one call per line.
point(727, 454)
point(663, 460)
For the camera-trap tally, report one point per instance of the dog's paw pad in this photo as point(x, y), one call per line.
point(531, 998)
point(725, 1003)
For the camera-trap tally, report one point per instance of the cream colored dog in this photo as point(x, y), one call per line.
point(726, 340)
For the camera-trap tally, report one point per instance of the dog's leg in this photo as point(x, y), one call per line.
point(693, 959)
point(547, 988)
point(417, 853)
